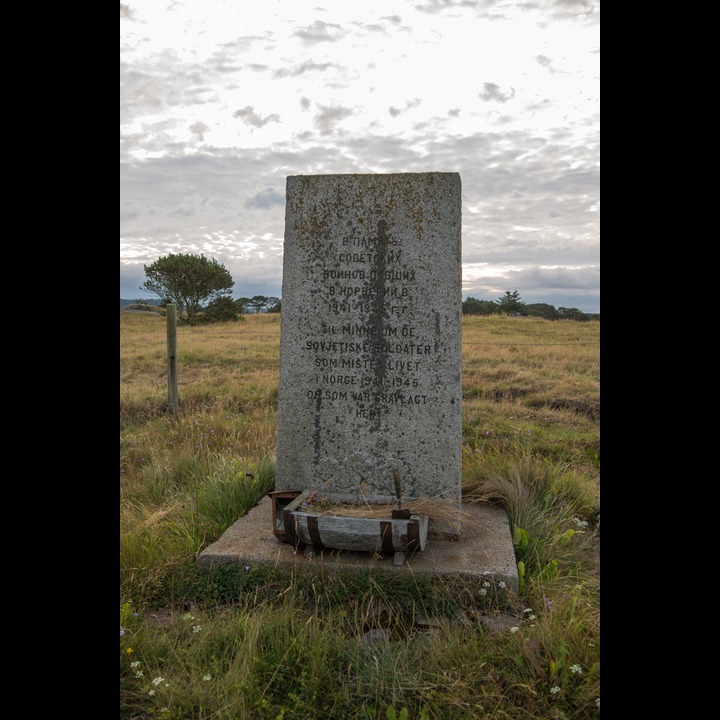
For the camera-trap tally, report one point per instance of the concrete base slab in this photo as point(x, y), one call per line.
point(484, 549)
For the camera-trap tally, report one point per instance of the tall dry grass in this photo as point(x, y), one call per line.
point(258, 643)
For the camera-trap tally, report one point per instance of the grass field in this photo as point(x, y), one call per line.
point(236, 642)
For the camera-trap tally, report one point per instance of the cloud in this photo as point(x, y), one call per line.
point(151, 138)
point(436, 6)
point(199, 129)
point(319, 31)
point(546, 62)
point(308, 66)
point(162, 83)
point(266, 198)
point(574, 10)
point(491, 91)
point(250, 117)
point(220, 103)
point(329, 116)
point(409, 104)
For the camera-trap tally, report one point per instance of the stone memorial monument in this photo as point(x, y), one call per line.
point(370, 396)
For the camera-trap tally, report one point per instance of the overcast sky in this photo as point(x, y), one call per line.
point(221, 100)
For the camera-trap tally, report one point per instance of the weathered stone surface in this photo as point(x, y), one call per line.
point(484, 551)
point(370, 350)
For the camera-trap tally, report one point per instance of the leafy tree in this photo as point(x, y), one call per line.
point(276, 307)
point(258, 302)
point(243, 304)
point(262, 301)
point(221, 309)
point(187, 281)
point(473, 306)
point(572, 314)
point(511, 303)
point(543, 310)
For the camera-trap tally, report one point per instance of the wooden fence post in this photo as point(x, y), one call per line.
point(172, 357)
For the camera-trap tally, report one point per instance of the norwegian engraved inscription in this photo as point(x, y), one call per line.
point(370, 356)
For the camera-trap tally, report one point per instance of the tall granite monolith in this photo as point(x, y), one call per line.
point(370, 348)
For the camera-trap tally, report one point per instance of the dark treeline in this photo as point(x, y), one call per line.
point(255, 304)
point(510, 304)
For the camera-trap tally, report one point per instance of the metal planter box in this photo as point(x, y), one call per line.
point(396, 535)
point(280, 500)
